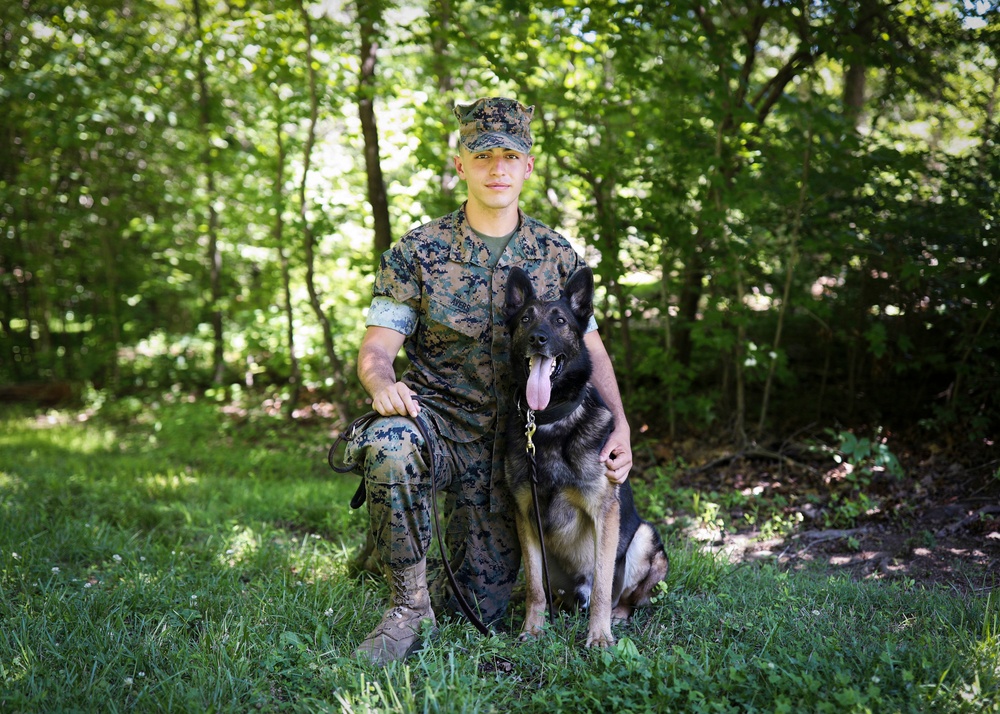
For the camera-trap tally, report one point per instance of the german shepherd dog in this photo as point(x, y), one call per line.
point(601, 554)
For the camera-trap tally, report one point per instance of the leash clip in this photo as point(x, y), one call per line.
point(529, 432)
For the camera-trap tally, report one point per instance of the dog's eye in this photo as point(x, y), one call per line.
point(525, 319)
point(560, 320)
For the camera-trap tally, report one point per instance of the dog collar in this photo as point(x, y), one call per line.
point(557, 411)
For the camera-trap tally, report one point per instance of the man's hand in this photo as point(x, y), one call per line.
point(617, 455)
point(396, 399)
point(379, 347)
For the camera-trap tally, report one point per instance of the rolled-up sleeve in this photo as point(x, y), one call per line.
point(386, 312)
point(396, 292)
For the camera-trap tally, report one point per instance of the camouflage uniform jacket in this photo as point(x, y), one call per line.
point(435, 286)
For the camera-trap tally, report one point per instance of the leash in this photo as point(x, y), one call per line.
point(529, 432)
point(359, 424)
point(360, 495)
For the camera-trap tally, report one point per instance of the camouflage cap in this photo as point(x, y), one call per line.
point(495, 121)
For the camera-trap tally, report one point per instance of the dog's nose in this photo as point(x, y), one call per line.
point(537, 339)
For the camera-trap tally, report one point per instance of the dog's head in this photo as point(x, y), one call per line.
point(548, 357)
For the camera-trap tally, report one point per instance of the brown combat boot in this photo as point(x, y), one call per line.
point(398, 635)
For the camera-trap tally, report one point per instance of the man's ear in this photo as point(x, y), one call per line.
point(519, 292)
point(460, 166)
point(580, 295)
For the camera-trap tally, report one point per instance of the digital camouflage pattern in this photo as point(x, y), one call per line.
point(458, 362)
point(482, 545)
point(495, 121)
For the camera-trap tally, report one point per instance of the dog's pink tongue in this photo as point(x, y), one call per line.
point(539, 385)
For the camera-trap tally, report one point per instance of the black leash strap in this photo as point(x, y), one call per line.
point(529, 433)
point(358, 425)
point(362, 423)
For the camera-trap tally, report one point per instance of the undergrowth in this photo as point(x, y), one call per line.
point(170, 558)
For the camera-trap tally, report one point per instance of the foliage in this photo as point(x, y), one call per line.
point(791, 209)
point(178, 558)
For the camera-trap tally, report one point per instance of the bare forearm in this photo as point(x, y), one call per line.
point(617, 452)
point(604, 379)
point(375, 370)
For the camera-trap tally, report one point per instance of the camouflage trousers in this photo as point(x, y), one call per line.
point(482, 545)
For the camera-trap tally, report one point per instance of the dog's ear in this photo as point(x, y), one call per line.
point(580, 294)
point(519, 292)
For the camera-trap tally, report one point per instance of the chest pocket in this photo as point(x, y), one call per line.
point(449, 314)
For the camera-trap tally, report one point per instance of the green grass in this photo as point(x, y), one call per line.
point(170, 559)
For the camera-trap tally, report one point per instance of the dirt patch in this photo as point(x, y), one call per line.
point(934, 520)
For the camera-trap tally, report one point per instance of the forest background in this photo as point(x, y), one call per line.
point(791, 207)
point(792, 211)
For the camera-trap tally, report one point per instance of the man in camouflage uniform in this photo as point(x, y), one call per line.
point(439, 294)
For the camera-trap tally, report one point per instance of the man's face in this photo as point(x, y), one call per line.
point(494, 176)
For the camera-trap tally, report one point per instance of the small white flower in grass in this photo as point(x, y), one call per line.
point(117, 558)
point(329, 613)
point(55, 569)
point(15, 556)
point(88, 585)
point(128, 681)
point(142, 558)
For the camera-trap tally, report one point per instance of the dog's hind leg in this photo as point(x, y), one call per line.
point(606, 544)
point(646, 564)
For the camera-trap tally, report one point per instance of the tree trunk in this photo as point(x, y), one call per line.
point(370, 16)
point(441, 11)
point(854, 90)
point(668, 348)
point(857, 66)
point(688, 301)
point(309, 237)
point(792, 261)
point(111, 284)
point(294, 377)
point(214, 253)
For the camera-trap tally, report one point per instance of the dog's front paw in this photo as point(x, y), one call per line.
point(600, 639)
point(532, 630)
point(529, 635)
